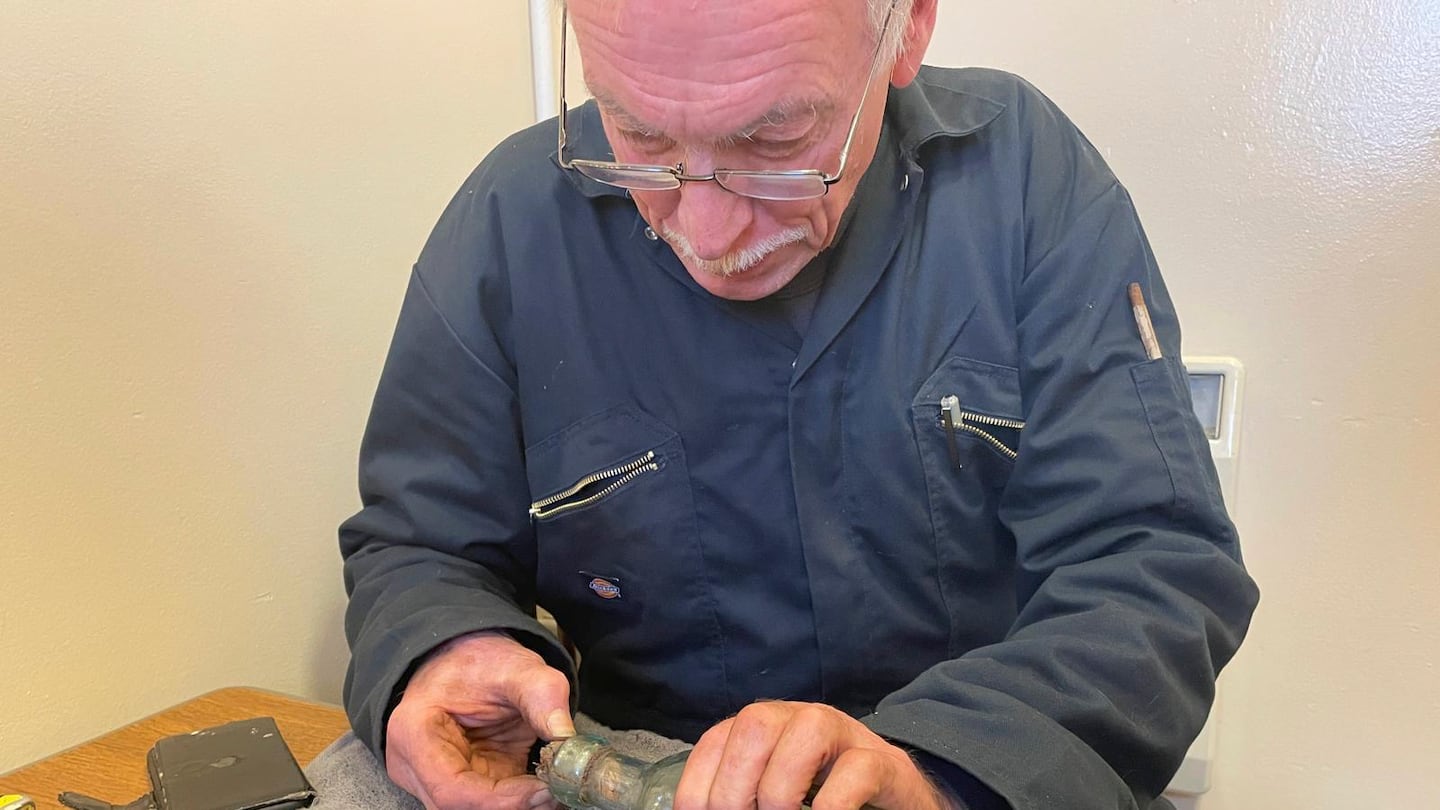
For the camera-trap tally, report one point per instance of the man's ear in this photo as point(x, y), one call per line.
point(917, 39)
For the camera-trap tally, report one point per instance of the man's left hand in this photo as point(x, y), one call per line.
point(769, 756)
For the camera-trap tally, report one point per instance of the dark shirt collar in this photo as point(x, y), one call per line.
point(924, 110)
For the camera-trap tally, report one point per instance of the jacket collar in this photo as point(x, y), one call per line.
point(927, 109)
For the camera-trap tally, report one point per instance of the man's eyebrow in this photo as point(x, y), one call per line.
point(618, 114)
point(784, 112)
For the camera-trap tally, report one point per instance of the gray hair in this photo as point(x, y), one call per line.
point(899, 24)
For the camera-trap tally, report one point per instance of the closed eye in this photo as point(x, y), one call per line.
point(771, 148)
point(648, 142)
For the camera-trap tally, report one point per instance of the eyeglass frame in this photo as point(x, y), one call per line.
point(678, 170)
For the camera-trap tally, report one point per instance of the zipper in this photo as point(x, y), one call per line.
point(952, 418)
point(593, 487)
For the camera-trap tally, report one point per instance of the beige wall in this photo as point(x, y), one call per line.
point(208, 212)
point(206, 217)
point(1285, 157)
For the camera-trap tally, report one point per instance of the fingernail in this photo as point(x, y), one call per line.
point(559, 724)
point(541, 798)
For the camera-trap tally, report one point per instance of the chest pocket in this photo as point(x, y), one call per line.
point(612, 510)
point(618, 559)
point(967, 424)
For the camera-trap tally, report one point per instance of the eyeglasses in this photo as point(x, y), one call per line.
point(793, 184)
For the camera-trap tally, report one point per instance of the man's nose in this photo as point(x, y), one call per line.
point(711, 218)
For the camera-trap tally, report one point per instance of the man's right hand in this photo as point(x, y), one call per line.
point(464, 727)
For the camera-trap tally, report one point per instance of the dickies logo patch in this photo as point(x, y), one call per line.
point(604, 588)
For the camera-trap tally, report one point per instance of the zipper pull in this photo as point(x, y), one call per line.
point(950, 417)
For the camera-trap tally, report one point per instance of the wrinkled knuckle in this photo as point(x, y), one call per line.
point(866, 762)
point(814, 718)
point(550, 679)
point(510, 680)
point(857, 778)
point(769, 797)
point(729, 797)
point(761, 717)
point(754, 713)
point(832, 800)
point(899, 760)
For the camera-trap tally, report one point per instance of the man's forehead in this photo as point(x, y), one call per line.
point(709, 24)
point(683, 68)
point(697, 7)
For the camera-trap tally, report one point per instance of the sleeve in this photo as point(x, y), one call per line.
point(443, 545)
point(1131, 594)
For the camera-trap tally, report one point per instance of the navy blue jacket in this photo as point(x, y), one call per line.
point(1041, 609)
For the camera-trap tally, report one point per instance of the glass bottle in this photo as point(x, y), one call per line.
point(584, 771)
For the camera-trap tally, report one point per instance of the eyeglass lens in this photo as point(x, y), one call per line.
point(657, 179)
point(767, 186)
point(760, 185)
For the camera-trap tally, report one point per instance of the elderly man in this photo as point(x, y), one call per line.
point(802, 386)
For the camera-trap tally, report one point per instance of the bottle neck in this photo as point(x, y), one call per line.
point(584, 771)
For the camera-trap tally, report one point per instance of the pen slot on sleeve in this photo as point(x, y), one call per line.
point(1142, 321)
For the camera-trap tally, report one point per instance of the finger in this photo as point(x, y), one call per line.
point(857, 777)
point(437, 755)
point(811, 740)
point(542, 694)
point(542, 800)
point(429, 755)
point(408, 735)
point(881, 777)
point(471, 790)
point(693, 791)
point(748, 747)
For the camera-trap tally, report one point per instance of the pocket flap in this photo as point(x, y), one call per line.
point(597, 442)
point(986, 388)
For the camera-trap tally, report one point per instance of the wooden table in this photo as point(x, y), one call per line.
point(112, 767)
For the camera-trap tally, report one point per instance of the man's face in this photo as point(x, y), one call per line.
point(745, 84)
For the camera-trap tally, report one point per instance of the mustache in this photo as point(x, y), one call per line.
point(737, 261)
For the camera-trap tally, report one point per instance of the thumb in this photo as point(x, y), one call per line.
point(542, 694)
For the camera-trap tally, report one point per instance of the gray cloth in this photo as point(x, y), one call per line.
point(346, 776)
